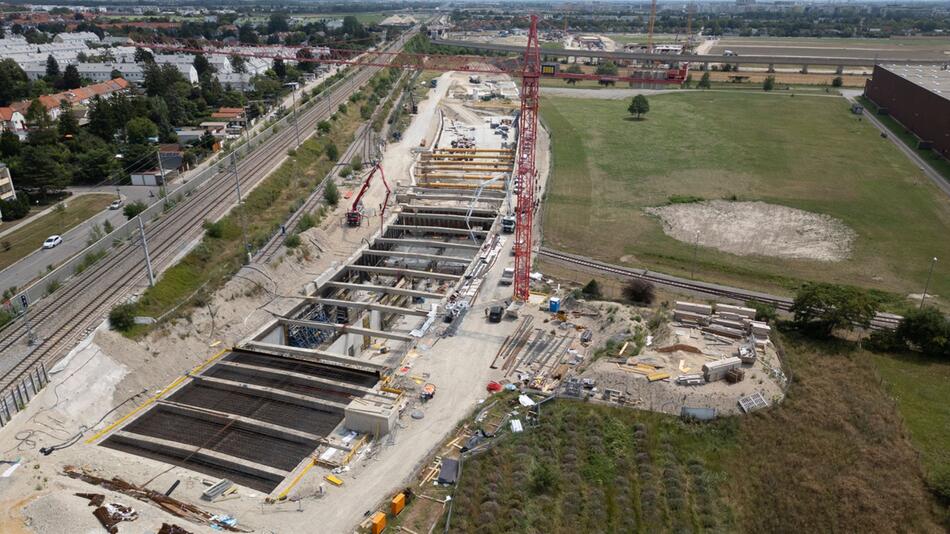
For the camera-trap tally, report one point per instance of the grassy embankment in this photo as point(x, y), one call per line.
point(809, 153)
point(212, 262)
point(30, 236)
point(832, 457)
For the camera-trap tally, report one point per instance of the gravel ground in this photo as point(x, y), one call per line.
point(757, 229)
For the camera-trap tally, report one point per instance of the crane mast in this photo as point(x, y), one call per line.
point(525, 177)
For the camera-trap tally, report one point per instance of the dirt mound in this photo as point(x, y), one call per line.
point(757, 228)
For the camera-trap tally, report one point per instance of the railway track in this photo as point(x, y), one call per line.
point(76, 308)
point(362, 146)
point(881, 321)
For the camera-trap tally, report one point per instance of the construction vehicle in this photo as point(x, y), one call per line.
point(495, 313)
point(507, 276)
point(508, 224)
point(354, 217)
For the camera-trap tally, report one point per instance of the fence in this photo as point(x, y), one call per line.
point(18, 395)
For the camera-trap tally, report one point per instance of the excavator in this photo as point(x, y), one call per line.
point(355, 216)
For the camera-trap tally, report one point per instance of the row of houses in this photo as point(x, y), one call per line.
point(13, 117)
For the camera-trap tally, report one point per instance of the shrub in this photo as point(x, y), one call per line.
point(356, 162)
point(639, 291)
point(342, 108)
point(331, 194)
point(837, 81)
point(307, 222)
point(324, 127)
point(769, 83)
point(53, 286)
point(214, 230)
point(333, 153)
point(591, 290)
point(763, 311)
point(107, 227)
point(133, 209)
point(15, 208)
point(122, 317)
point(544, 479)
point(927, 330)
point(292, 241)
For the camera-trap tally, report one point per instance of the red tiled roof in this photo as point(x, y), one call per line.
point(75, 96)
point(6, 114)
point(230, 110)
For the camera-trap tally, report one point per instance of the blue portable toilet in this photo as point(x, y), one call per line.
point(554, 305)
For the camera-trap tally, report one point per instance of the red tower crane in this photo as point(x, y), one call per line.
point(525, 176)
point(530, 71)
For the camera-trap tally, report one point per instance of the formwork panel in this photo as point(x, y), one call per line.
point(221, 437)
point(350, 376)
point(303, 418)
point(321, 391)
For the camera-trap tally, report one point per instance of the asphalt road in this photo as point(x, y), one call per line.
point(33, 266)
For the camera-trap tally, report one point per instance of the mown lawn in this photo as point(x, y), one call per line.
point(805, 152)
point(30, 236)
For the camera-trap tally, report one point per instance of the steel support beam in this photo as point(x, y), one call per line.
point(399, 271)
point(431, 243)
point(369, 306)
point(416, 256)
point(437, 229)
point(384, 289)
point(301, 378)
point(411, 208)
point(238, 421)
point(347, 329)
point(271, 393)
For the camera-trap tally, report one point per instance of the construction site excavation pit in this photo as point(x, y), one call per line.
point(251, 418)
point(757, 229)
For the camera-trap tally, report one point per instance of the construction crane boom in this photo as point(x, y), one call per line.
point(354, 217)
point(652, 22)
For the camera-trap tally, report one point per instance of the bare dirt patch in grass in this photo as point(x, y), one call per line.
point(757, 228)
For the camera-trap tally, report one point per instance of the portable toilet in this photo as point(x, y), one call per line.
point(554, 305)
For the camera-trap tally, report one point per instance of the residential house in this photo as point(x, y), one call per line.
point(7, 192)
point(76, 37)
point(12, 120)
point(238, 81)
point(76, 97)
point(236, 118)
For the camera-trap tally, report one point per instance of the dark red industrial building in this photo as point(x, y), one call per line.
point(917, 96)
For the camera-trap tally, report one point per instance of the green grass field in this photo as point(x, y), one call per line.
point(833, 457)
point(30, 236)
point(921, 387)
point(804, 152)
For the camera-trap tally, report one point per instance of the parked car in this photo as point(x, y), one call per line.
point(116, 204)
point(52, 241)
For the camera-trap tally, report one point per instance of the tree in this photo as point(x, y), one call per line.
point(607, 68)
point(71, 78)
point(238, 64)
point(143, 56)
point(9, 145)
point(44, 167)
point(823, 308)
point(927, 330)
point(688, 82)
point(639, 291)
point(247, 35)
point(278, 23)
point(333, 153)
point(52, 68)
point(544, 478)
point(638, 106)
point(837, 81)
point(133, 209)
point(115, 74)
point(769, 83)
point(591, 290)
point(140, 130)
point(331, 194)
point(36, 115)
point(68, 125)
point(280, 69)
point(303, 55)
point(353, 28)
point(704, 82)
point(203, 66)
point(14, 84)
point(96, 162)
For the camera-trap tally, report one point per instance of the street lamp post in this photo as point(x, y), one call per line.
point(933, 262)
